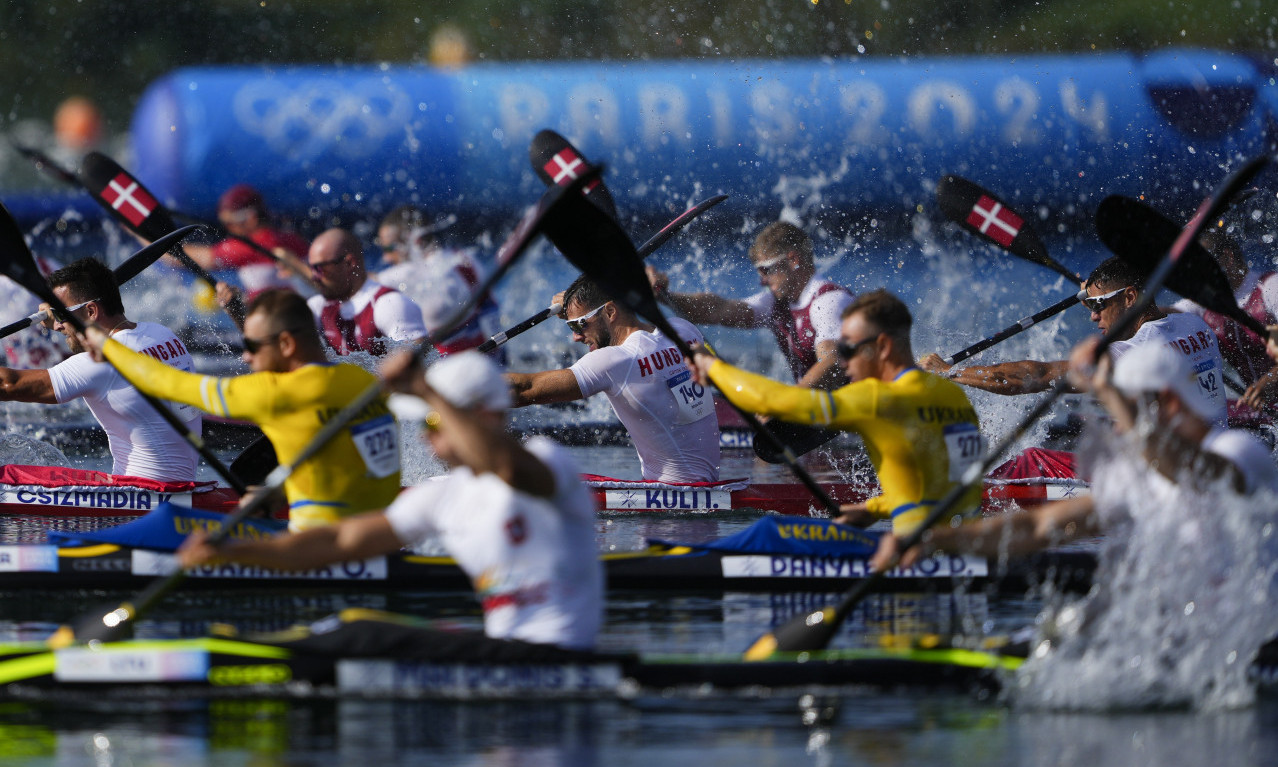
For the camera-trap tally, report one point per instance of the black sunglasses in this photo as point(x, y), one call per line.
point(255, 345)
point(847, 351)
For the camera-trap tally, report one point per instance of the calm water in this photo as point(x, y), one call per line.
point(906, 728)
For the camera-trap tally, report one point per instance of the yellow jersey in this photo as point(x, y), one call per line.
point(357, 470)
point(920, 431)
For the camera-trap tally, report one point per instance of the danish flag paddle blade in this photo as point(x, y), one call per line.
point(980, 212)
point(125, 197)
point(1140, 235)
point(558, 162)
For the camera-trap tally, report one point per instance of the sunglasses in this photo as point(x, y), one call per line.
point(578, 324)
point(255, 345)
point(772, 265)
point(847, 351)
point(318, 266)
point(1095, 304)
point(65, 315)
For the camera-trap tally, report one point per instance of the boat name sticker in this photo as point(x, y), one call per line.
point(800, 566)
point(109, 498)
point(378, 444)
point(28, 559)
point(158, 563)
point(666, 498)
point(81, 664)
point(476, 680)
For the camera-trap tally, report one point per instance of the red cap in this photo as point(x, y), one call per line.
point(241, 197)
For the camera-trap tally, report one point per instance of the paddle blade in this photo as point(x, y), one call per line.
point(16, 261)
point(980, 212)
point(48, 166)
point(558, 162)
point(124, 197)
point(139, 261)
point(595, 244)
point(1141, 236)
point(811, 631)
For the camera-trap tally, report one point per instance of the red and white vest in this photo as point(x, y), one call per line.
point(794, 333)
point(359, 333)
point(1241, 348)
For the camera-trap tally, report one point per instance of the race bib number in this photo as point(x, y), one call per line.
point(1209, 381)
point(378, 444)
point(965, 445)
point(689, 396)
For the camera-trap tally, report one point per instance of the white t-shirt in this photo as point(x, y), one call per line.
point(1249, 454)
point(142, 443)
point(532, 561)
point(825, 312)
point(669, 416)
point(439, 285)
point(394, 314)
point(1191, 336)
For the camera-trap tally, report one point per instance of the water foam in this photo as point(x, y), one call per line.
point(1184, 597)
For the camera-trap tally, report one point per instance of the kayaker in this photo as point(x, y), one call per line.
point(1179, 440)
point(515, 516)
point(670, 416)
point(356, 313)
point(801, 308)
point(142, 443)
point(242, 211)
point(437, 279)
point(920, 430)
point(1112, 288)
point(292, 391)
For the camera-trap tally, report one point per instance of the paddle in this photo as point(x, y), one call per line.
point(596, 245)
point(645, 250)
point(44, 163)
point(814, 630)
point(19, 265)
point(126, 199)
point(114, 623)
point(982, 213)
point(123, 273)
point(1136, 233)
point(558, 162)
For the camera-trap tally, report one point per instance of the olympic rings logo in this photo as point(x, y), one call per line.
point(319, 117)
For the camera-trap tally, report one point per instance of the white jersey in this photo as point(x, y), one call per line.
point(1248, 454)
point(142, 443)
point(532, 561)
point(1187, 334)
point(824, 309)
point(669, 415)
point(439, 285)
point(394, 314)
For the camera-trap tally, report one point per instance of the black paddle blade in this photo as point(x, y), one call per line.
point(595, 244)
point(800, 438)
point(1141, 236)
point(16, 261)
point(558, 162)
point(124, 197)
point(677, 225)
point(980, 212)
point(139, 261)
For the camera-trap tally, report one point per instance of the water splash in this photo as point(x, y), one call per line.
point(1184, 598)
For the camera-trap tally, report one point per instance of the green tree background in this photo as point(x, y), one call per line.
point(110, 49)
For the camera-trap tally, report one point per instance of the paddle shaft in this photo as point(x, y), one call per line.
point(814, 630)
point(1012, 330)
point(645, 250)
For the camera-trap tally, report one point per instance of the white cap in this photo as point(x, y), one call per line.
point(470, 380)
point(1153, 367)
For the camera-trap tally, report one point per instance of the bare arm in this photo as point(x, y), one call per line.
point(1015, 534)
point(543, 388)
point(26, 386)
point(826, 373)
point(1023, 377)
point(357, 537)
